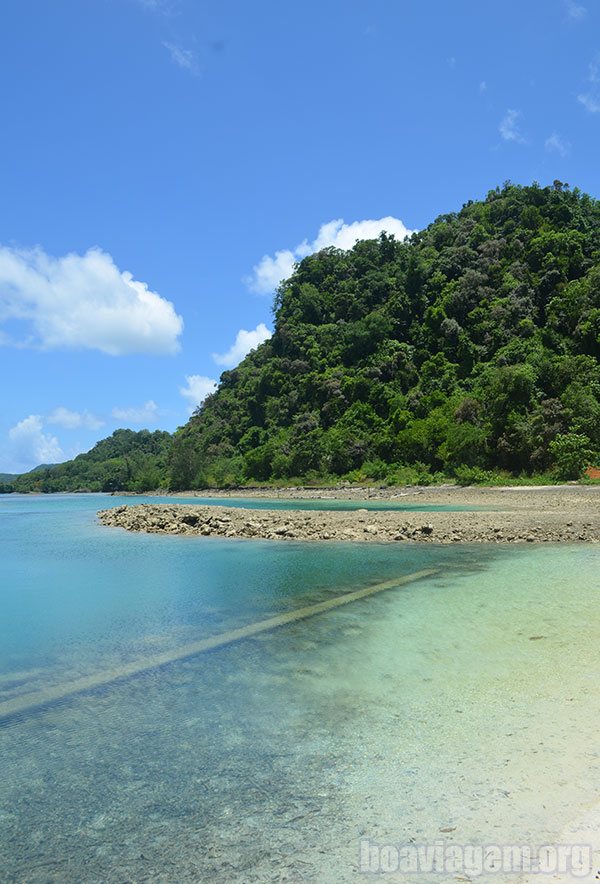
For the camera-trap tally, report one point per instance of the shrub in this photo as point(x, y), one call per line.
point(571, 453)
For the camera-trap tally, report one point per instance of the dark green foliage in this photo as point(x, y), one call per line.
point(471, 347)
point(125, 461)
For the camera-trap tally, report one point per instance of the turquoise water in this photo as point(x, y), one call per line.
point(283, 503)
point(464, 701)
point(77, 596)
point(260, 503)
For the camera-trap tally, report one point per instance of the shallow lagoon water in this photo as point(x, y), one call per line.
point(466, 701)
point(282, 503)
point(74, 593)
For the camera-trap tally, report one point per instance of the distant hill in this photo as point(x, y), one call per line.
point(472, 347)
point(7, 480)
point(125, 461)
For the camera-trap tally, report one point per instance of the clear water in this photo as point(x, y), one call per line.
point(283, 503)
point(466, 701)
point(286, 503)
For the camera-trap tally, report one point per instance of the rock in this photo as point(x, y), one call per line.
point(542, 519)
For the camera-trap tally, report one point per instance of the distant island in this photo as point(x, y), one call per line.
point(468, 353)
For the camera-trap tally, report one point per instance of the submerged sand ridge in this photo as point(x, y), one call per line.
point(565, 513)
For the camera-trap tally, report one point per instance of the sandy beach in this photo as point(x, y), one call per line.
point(551, 514)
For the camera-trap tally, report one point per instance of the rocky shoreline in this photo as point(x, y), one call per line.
point(551, 515)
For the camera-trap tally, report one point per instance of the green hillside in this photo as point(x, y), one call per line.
point(125, 461)
point(6, 482)
point(472, 347)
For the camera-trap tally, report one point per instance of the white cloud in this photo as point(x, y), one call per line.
point(557, 144)
point(72, 420)
point(163, 6)
point(590, 102)
point(197, 389)
point(84, 302)
point(483, 87)
point(183, 58)
point(574, 10)
point(509, 127)
point(29, 446)
point(591, 99)
point(271, 270)
point(143, 414)
point(245, 341)
point(344, 236)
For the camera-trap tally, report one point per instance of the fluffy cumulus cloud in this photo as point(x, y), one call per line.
point(30, 446)
point(245, 341)
point(509, 127)
point(272, 269)
point(84, 302)
point(73, 420)
point(197, 388)
point(147, 413)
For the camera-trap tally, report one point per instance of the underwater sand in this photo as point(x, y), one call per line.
point(467, 701)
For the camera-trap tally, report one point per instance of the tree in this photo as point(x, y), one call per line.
point(571, 453)
point(496, 307)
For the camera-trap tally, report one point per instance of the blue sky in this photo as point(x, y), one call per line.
point(164, 162)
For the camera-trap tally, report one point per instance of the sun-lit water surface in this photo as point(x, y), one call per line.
point(466, 701)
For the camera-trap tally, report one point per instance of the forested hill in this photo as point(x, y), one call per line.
point(472, 346)
point(124, 461)
point(470, 349)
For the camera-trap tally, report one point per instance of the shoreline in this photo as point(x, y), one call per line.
point(550, 514)
point(362, 492)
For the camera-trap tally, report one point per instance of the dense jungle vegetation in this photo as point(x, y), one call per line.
point(125, 461)
point(469, 351)
point(470, 348)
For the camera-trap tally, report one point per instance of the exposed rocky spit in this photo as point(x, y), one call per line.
point(523, 516)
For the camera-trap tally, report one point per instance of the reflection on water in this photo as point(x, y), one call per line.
point(466, 701)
